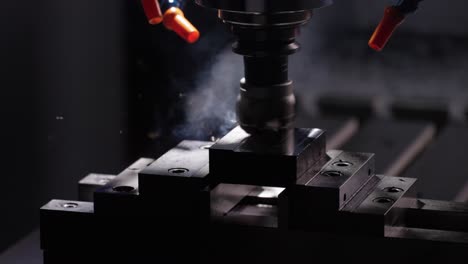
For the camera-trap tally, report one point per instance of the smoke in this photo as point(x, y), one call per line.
point(412, 66)
point(210, 107)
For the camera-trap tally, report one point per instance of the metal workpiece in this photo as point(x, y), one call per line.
point(314, 203)
point(120, 195)
point(221, 197)
point(178, 184)
point(126, 182)
point(91, 183)
point(336, 183)
point(346, 197)
point(166, 193)
point(385, 195)
point(380, 207)
point(341, 178)
point(72, 233)
point(67, 223)
point(184, 167)
point(239, 158)
point(433, 214)
point(245, 205)
point(224, 197)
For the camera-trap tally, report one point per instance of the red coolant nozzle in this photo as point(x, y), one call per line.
point(152, 11)
point(391, 20)
point(175, 20)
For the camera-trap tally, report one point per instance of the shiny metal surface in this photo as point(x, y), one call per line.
point(242, 159)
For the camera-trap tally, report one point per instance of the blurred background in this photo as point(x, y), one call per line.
point(89, 86)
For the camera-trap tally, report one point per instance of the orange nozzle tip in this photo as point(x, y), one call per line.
point(391, 20)
point(375, 46)
point(155, 21)
point(152, 11)
point(175, 20)
point(193, 37)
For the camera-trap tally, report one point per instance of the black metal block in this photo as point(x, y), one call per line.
point(338, 181)
point(245, 205)
point(374, 206)
point(120, 196)
point(176, 185)
point(379, 208)
point(433, 214)
point(91, 183)
point(184, 167)
point(239, 159)
point(67, 224)
point(315, 204)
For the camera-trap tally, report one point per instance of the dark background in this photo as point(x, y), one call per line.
point(88, 86)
